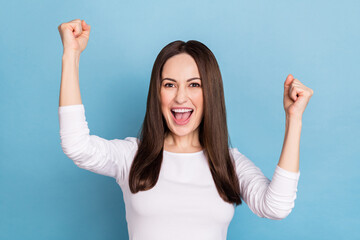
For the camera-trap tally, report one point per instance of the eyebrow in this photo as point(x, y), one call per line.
point(190, 79)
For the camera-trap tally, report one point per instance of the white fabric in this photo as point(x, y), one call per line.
point(184, 204)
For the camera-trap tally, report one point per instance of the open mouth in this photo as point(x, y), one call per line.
point(181, 118)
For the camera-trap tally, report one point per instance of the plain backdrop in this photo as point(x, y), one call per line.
point(44, 195)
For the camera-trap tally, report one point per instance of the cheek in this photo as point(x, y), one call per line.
point(163, 98)
point(200, 106)
point(198, 99)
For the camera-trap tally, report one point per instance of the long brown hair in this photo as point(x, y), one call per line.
point(213, 131)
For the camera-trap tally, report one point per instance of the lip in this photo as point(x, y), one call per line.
point(182, 123)
point(182, 108)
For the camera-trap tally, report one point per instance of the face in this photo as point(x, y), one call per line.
point(181, 94)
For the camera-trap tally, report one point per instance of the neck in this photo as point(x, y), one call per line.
point(187, 143)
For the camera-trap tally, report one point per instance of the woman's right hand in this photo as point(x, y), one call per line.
point(74, 35)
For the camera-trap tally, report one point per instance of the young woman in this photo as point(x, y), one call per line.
point(179, 178)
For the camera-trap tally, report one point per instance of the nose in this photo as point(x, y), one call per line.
point(181, 95)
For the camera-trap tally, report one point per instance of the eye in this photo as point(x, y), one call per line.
point(166, 84)
point(198, 85)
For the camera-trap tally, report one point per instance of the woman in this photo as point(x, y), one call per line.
point(180, 179)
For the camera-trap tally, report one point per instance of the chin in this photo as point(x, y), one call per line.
point(180, 132)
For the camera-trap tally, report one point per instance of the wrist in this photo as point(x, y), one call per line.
point(70, 54)
point(293, 118)
point(292, 121)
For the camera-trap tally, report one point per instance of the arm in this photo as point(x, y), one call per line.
point(290, 154)
point(106, 157)
point(90, 152)
point(69, 87)
point(273, 199)
point(74, 36)
point(296, 98)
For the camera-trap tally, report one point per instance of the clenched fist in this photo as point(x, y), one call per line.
point(74, 35)
point(296, 97)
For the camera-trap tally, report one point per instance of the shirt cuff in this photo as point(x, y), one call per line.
point(71, 108)
point(72, 118)
point(286, 173)
point(284, 183)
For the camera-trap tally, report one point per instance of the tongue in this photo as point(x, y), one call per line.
point(184, 115)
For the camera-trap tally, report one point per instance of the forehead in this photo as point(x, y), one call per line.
point(181, 66)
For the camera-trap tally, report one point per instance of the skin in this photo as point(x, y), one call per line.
point(74, 37)
point(182, 93)
point(296, 98)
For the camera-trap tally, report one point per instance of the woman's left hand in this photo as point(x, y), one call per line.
point(296, 97)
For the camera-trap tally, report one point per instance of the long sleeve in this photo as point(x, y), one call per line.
point(273, 199)
point(106, 157)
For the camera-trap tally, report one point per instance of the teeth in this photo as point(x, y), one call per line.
point(181, 110)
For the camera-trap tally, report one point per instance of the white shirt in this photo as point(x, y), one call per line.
point(184, 203)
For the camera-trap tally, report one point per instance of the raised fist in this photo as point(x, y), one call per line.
point(74, 35)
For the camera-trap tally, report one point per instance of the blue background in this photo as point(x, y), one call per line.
point(44, 195)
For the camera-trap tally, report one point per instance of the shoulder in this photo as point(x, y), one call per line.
point(132, 140)
point(236, 154)
point(241, 161)
point(127, 145)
